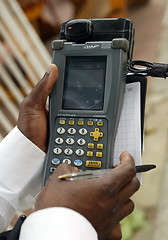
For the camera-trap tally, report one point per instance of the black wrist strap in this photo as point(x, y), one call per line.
point(14, 234)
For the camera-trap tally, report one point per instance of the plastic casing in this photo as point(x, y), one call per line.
point(99, 29)
point(117, 58)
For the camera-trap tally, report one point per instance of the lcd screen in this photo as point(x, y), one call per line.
point(84, 83)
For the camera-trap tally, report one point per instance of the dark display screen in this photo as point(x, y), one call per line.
point(84, 83)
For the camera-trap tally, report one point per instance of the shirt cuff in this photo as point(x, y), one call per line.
point(7, 212)
point(57, 223)
point(21, 169)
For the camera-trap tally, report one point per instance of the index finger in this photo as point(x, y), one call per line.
point(63, 168)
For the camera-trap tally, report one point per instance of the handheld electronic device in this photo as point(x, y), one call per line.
point(86, 101)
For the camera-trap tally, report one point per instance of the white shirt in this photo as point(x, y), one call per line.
point(21, 170)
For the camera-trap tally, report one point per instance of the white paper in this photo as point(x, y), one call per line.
point(128, 136)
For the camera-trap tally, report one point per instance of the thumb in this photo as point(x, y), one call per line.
point(40, 92)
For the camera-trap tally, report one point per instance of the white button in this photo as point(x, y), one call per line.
point(68, 151)
point(71, 131)
point(52, 169)
point(68, 161)
point(60, 130)
point(83, 131)
point(79, 152)
point(57, 150)
point(70, 141)
point(81, 141)
point(78, 163)
point(55, 161)
point(59, 140)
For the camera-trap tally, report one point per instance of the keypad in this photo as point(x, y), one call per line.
point(68, 151)
point(79, 152)
point(68, 161)
point(57, 151)
point(79, 142)
point(62, 122)
point(70, 141)
point(60, 130)
point(59, 140)
point(72, 131)
point(55, 161)
point(94, 164)
point(83, 131)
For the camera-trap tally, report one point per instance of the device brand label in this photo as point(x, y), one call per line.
point(91, 46)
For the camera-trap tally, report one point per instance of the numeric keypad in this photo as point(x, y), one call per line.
point(79, 142)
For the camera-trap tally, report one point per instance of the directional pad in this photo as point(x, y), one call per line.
point(96, 134)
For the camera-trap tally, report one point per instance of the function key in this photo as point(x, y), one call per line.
point(83, 131)
point(62, 122)
point(55, 161)
point(71, 131)
point(100, 146)
point(78, 163)
point(61, 130)
point(71, 122)
point(81, 141)
point(89, 154)
point(99, 154)
point(70, 141)
point(100, 123)
point(94, 164)
point(96, 134)
point(59, 140)
point(80, 123)
point(91, 145)
point(68, 161)
point(90, 123)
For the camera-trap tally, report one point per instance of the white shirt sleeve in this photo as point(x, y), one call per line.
point(21, 168)
point(57, 223)
point(21, 165)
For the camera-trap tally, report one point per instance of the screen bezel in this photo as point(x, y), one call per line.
point(59, 58)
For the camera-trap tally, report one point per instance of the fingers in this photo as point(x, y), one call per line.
point(62, 169)
point(123, 198)
point(124, 211)
point(129, 189)
point(122, 174)
point(115, 233)
point(127, 162)
point(40, 92)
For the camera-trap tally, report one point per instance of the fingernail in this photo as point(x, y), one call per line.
point(49, 70)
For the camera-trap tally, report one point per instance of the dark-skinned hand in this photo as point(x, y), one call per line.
point(33, 123)
point(104, 201)
point(33, 116)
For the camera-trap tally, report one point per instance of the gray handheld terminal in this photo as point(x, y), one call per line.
point(86, 102)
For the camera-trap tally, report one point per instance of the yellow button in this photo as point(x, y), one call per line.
point(96, 134)
point(91, 145)
point(99, 154)
point(100, 123)
point(71, 122)
point(100, 146)
point(80, 123)
point(61, 122)
point(94, 164)
point(90, 123)
point(89, 154)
